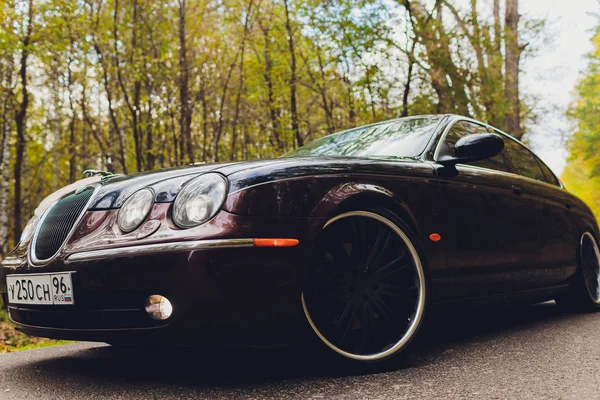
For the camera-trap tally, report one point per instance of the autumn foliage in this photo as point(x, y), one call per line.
point(133, 85)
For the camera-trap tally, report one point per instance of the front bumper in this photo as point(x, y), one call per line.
point(222, 290)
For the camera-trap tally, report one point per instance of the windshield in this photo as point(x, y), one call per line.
point(406, 137)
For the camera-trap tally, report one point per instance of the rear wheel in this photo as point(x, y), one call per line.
point(365, 293)
point(585, 294)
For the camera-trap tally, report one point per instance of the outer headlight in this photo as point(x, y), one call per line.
point(199, 200)
point(29, 229)
point(135, 210)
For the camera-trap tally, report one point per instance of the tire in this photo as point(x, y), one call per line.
point(585, 293)
point(365, 293)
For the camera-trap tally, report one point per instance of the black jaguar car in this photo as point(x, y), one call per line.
point(350, 238)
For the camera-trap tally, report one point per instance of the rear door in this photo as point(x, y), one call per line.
point(489, 231)
point(556, 257)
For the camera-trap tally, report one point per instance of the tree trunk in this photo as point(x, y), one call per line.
point(496, 117)
point(436, 41)
point(72, 138)
point(293, 100)
point(111, 111)
point(238, 101)
point(409, 74)
point(512, 121)
point(96, 133)
point(185, 120)
point(350, 92)
point(221, 121)
point(21, 121)
point(150, 158)
point(204, 125)
point(268, 77)
point(137, 88)
point(327, 107)
point(321, 89)
point(241, 52)
point(177, 156)
point(497, 26)
point(133, 108)
point(5, 163)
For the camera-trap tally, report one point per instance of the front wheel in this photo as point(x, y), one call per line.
point(365, 292)
point(585, 293)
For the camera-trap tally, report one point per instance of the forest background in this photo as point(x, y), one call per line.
point(135, 85)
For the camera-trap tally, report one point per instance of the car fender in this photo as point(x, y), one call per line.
point(353, 195)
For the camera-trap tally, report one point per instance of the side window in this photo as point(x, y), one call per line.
point(464, 128)
point(549, 176)
point(523, 161)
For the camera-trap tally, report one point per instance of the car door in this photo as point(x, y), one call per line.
point(556, 256)
point(488, 230)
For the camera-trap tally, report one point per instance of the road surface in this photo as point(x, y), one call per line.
point(515, 352)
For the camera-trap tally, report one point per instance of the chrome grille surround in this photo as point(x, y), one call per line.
point(39, 255)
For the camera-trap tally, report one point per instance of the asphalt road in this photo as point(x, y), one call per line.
point(516, 352)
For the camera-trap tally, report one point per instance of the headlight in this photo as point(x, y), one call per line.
point(29, 229)
point(199, 200)
point(135, 210)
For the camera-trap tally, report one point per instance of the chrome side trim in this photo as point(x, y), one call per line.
point(508, 174)
point(146, 249)
point(33, 260)
point(11, 262)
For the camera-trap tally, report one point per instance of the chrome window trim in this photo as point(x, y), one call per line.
point(458, 119)
point(32, 258)
point(509, 174)
point(431, 140)
point(146, 249)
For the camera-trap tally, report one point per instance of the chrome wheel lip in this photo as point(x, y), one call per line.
point(595, 298)
point(408, 335)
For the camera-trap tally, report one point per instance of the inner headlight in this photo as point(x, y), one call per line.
point(199, 200)
point(135, 210)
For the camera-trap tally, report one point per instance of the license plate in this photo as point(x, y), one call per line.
point(52, 289)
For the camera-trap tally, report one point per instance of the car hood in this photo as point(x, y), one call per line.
point(166, 183)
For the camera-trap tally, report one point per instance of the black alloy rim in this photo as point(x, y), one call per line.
point(363, 293)
point(590, 264)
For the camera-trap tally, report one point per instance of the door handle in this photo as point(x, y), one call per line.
point(517, 190)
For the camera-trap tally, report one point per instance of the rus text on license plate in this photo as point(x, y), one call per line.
point(54, 289)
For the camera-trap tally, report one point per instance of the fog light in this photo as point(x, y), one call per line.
point(159, 307)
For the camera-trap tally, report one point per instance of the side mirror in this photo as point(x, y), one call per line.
point(475, 147)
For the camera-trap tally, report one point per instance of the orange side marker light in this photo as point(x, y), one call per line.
point(435, 237)
point(275, 242)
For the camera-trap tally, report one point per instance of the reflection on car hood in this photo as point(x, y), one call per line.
point(166, 183)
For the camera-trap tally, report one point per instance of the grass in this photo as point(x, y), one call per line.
point(12, 340)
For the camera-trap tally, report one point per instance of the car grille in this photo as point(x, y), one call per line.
point(58, 222)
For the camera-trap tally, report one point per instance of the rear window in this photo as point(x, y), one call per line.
point(523, 162)
point(548, 174)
